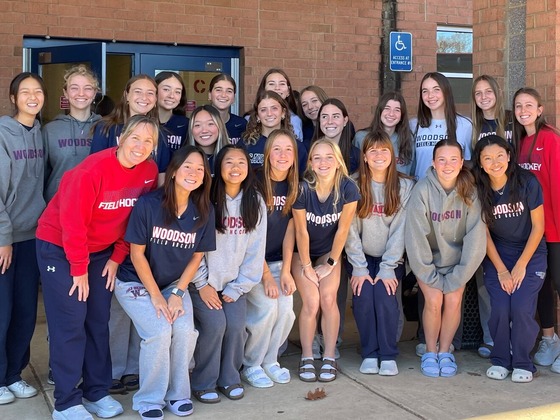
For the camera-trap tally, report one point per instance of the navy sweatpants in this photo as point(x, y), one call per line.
point(377, 315)
point(78, 331)
point(19, 287)
point(513, 345)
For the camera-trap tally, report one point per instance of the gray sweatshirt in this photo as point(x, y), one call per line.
point(379, 235)
point(237, 263)
point(445, 238)
point(67, 142)
point(21, 180)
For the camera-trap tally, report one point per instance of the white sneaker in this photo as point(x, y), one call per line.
point(388, 368)
point(369, 366)
point(6, 395)
point(548, 351)
point(105, 408)
point(22, 389)
point(76, 412)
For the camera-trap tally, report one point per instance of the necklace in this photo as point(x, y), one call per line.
point(501, 190)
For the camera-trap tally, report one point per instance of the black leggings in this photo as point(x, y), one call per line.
point(545, 305)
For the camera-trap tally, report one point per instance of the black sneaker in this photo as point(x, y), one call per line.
point(50, 379)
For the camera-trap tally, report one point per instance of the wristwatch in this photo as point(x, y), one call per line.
point(331, 262)
point(178, 292)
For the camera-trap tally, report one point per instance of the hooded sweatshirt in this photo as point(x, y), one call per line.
point(445, 238)
point(21, 180)
point(67, 142)
point(237, 263)
point(379, 235)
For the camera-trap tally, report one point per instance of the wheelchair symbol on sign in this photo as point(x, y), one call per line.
point(399, 45)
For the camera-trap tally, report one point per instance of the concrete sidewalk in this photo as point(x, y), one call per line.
point(410, 395)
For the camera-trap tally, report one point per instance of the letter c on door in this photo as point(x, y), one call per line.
point(199, 89)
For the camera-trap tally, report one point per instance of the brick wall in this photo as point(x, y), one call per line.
point(542, 40)
point(489, 35)
point(332, 43)
point(495, 23)
point(421, 18)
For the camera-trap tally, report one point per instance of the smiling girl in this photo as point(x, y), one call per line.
point(445, 245)
point(311, 99)
point(222, 95)
point(276, 80)
point(269, 113)
point(512, 207)
point(437, 120)
point(335, 125)
point(153, 291)
point(391, 116)
point(234, 268)
point(138, 98)
point(21, 204)
point(270, 313)
point(537, 145)
point(489, 114)
point(322, 216)
point(375, 248)
point(67, 138)
point(171, 102)
point(208, 132)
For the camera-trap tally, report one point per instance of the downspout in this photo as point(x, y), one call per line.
point(388, 80)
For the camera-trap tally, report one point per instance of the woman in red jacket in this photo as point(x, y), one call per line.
point(537, 145)
point(80, 246)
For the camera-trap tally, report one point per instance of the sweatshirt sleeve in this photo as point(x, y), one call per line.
point(251, 269)
point(100, 141)
point(5, 177)
point(473, 252)
point(418, 250)
point(554, 179)
point(394, 249)
point(354, 249)
point(76, 206)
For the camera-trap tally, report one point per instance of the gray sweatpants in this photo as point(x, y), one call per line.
point(124, 342)
point(165, 350)
point(269, 322)
point(219, 351)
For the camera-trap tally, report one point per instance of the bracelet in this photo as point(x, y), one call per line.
point(304, 266)
point(502, 273)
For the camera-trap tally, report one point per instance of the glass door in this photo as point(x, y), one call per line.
point(52, 62)
point(196, 72)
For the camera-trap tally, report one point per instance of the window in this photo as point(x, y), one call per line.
point(454, 59)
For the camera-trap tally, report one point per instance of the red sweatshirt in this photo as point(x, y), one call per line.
point(545, 164)
point(90, 211)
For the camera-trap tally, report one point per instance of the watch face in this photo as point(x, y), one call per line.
point(330, 261)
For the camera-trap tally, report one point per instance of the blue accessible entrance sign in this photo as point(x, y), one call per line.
point(400, 53)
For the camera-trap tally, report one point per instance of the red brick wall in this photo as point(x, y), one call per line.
point(421, 18)
point(489, 35)
point(542, 54)
point(334, 44)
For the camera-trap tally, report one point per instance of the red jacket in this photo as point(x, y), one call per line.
point(90, 211)
point(545, 164)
